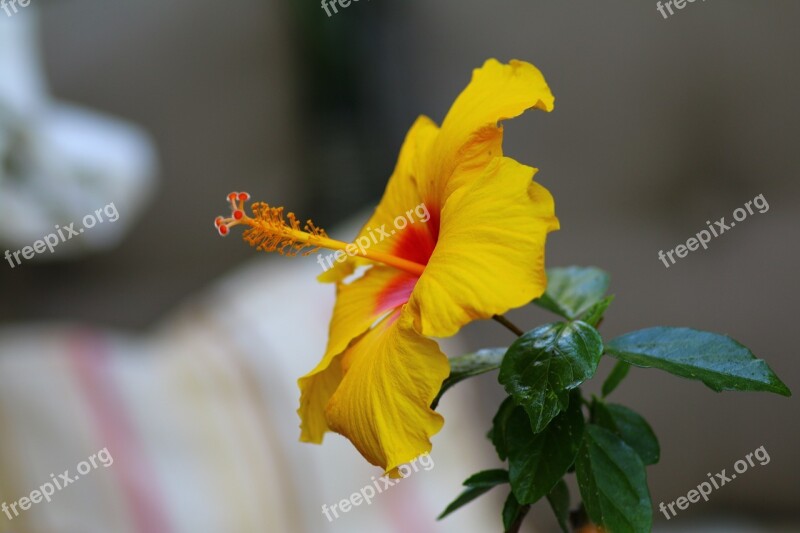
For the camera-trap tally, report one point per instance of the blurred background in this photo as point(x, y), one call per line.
point(659, 126)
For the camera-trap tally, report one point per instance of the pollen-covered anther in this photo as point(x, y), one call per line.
point(238, 216)
point(272, 231)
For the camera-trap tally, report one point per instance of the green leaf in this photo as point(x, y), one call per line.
point(469, 365)
point(615, 377)
point(498, 432)
point(613, 483)
point(573, 290)
point(487, 478)
point(512, 511)
point(631, 427)
point(537, 462)
point(469, 494)
point(594, 315)
point(559, 501)
point(543, 365)
point(717, 360)
point(477, 484)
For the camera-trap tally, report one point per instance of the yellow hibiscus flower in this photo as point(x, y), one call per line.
point(479, 254)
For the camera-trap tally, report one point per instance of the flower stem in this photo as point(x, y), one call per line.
point(509, 325)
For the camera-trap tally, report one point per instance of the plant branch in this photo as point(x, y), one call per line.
point(509, 325)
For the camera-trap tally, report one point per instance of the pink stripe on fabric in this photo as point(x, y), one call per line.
point(133, 471)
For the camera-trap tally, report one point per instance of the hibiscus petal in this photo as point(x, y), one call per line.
point(490, 254)
point(400, 196)
point(392, 374)
point(470, 136)
point(401, 192)
point(358, 306)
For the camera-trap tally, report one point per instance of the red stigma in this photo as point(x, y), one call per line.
point(236, 202)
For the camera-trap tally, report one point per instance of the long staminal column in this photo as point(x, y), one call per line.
point(269, 230)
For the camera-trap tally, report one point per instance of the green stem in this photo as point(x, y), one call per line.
point(509, 325)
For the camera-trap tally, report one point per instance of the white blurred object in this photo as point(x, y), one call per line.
point(59, 162)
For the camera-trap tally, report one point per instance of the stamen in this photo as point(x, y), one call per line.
point(269, 230)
